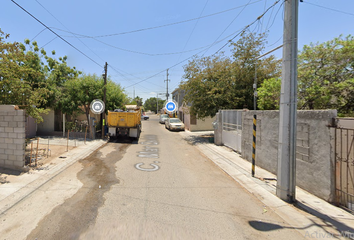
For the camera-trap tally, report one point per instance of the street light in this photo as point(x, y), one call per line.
point(157, 101)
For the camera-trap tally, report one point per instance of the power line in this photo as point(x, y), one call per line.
point(332, 9)
point(243, 30)
point(190, 35)
point(265, 5)
point(55, 33)
point(262, 15)
point(49, 42)
point(280, 7)
point(38, 34)
point(170, 24)
point(157, 54)
point(195, 25)
point(230, 24)
point(67, 29)
point(119, 72)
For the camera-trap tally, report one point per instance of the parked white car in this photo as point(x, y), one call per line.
point(163, 118)
point(174, 124)
point(145, 117)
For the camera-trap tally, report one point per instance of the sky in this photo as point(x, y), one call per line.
point(140, 40)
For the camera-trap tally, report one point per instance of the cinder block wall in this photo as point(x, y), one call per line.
point(315, 170)
point(12, 137)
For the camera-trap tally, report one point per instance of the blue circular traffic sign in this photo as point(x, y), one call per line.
point(171, 106)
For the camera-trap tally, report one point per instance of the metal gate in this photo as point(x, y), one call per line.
point(344, 157)
point(232, 129)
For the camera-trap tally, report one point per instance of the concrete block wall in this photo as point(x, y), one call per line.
point(315, 166)
point(12, 137)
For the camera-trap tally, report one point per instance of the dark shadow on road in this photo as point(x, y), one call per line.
point(123, 139)
point(264, 226)
point(327, 220)
point(8, 172)
point(196, 139)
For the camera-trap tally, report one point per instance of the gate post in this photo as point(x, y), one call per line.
point(218, 129)
point(254, 144)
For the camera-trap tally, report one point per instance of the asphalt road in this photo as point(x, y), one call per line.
point(160, 187)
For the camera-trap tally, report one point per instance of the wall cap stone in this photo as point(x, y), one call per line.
point(8, 107)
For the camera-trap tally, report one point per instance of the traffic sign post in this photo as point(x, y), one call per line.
point(97, 106)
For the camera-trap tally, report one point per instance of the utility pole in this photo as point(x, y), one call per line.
point(103, 115)
point(288, 104)
point(167, 85)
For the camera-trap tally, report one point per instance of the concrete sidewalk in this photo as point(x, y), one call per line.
point(312, 216)
point(24, 184)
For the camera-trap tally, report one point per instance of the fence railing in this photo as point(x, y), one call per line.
point(344, 159)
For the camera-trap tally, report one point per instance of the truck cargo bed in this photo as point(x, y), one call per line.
point(123, 119)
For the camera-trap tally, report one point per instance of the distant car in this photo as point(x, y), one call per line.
point(174, 124)
point(163, 118)
point(145, 117)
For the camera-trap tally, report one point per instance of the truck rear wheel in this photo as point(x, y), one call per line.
point(139, 131)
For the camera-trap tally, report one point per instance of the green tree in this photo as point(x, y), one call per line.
point(115, 96)
point(269, 94)
point(323, 72)
point(136, 101)
point(246, 66)
point(207, 85)
point(80, 92)
point(151, 104)
point(57, 74)
point(218, 82)
point(21, 78)
point(325, 78)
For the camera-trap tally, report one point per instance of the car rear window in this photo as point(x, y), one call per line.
point(175, 120)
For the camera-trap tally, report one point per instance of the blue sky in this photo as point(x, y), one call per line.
point(141, 39)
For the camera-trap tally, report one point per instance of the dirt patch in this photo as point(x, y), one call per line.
point(45, 157)
point(3, 179)
point(45, 153)
point(75, 215)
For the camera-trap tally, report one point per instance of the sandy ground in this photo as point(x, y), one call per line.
point(47, 154)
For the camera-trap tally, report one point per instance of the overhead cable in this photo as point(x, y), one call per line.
point(332, 9)
point(262, 15)
point(56, 33)
point(165, 25)
point(242, 31)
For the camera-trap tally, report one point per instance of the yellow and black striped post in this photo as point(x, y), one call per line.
point(254, 144)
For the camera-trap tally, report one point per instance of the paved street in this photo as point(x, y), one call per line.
point(161, 187)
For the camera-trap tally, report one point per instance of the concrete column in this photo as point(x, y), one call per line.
point(12, 137)
point(218, 130)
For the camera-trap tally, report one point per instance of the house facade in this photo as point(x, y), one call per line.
point(191, 122)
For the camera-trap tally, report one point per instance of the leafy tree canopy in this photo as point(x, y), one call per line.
point(151, 104)
point(325, 78)
point(136, 101)
point(219, 82)
point(21, 78)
